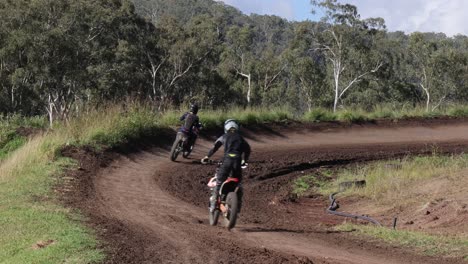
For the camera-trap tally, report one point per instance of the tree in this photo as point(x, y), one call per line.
point(345, 42)
point(238, 55)
point(307, 68)
point(184, 49)
point(431, 70)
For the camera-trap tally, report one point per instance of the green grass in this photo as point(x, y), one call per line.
point(353, 116)
point(10, 140)
point(215, 118)
point(113, 127)
point(356, 115)
point(30, 212)
point(320, 115)
point(255, 116)
point(29, 207)
point(311, 183)
point(432, 245)
point(11, 145)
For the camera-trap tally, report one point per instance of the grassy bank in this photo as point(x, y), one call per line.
point(392, 182)
point(13, 130)
point(432, 245)
point(407, 185)
point(34, 227)
point(247, 117)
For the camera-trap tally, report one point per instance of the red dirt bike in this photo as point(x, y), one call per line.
point(183, 144)
point(228, 202)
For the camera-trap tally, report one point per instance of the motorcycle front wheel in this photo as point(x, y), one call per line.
point(232, 204)
point(176, 148)
point(214, 216)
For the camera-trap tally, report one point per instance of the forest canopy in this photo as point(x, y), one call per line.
point(57, 57)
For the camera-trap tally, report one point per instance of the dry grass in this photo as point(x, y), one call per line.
point(433, 245)
point(391, 182)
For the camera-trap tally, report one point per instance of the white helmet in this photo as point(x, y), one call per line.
point(229, 124)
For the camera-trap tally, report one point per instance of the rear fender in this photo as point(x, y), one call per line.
point(230, 185)
point(182, 136)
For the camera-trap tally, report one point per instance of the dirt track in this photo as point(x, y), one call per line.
point(151, 210)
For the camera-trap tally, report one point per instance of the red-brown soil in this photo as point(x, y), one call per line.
point(147, 209)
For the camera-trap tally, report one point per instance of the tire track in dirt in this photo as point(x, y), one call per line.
point(164, 202)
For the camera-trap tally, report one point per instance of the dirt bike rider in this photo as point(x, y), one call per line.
point(234, 146)
point(191, 121)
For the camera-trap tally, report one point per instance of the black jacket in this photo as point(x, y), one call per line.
point(234, 146)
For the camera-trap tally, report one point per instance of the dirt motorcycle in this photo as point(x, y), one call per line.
point(183, 144)
point(228, 200)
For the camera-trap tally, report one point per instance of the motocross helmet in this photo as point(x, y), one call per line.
point(230, 124)
point(194, 108)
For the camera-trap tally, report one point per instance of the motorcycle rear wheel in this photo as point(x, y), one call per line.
point(186, 154)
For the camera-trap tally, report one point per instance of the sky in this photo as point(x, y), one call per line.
point(445, 16)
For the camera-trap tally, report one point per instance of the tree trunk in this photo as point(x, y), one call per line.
point(50, 110)
point(428, 101)
point(249, 89)
point(337, 88)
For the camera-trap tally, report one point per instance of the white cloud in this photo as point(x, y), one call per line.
point(282, 8)
point(445, 16)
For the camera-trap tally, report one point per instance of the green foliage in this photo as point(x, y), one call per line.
point(58, 58)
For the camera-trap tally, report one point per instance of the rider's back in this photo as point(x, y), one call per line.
point(190, 120)
point(235, 145)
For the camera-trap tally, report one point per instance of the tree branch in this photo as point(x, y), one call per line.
point(357, 79)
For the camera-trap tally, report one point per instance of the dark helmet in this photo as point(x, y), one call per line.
point(231, 124)
point(194, 108)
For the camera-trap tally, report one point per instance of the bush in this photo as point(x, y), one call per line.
point(352, 116)
point(320, 115)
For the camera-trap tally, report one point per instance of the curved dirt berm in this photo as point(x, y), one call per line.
point(151, 210)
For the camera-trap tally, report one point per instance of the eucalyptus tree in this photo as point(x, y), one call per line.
point(435, 66)
point(347, 41)
point(307, 68)
point(238, 55)
point(271, 37)
point(184, 49)
point(449, 68)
